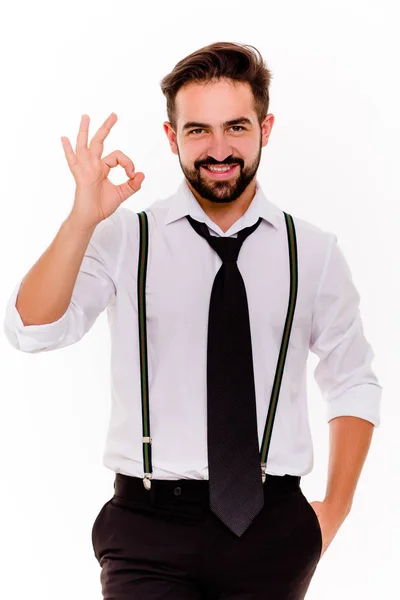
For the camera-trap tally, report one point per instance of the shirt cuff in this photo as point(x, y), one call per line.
point(361, 401)
point(31, 338)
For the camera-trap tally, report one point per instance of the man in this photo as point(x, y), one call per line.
point(215, 298)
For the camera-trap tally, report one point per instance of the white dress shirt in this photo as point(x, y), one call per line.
point(180, 273)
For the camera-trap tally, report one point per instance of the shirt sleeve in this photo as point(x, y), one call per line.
point(95, 289)
point(343, 374)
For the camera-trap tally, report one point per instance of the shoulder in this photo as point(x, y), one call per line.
point(314, 244)
point(156, 213)
point(311, 236)
point(106, 238)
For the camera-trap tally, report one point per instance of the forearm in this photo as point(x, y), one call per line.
point(46, 289)
point(349, 442)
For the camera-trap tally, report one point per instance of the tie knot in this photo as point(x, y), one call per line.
point(227, 248)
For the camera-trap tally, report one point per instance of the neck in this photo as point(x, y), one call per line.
point(225, 214)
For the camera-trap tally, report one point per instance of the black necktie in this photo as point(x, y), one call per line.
point(234, 463)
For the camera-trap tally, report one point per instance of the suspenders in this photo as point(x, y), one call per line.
point(141, 291)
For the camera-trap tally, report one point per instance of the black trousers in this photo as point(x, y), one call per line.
point(167, 544)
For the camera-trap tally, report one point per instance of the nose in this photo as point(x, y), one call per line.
point(219, 147)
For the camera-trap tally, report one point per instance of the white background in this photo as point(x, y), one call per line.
point(332, 159)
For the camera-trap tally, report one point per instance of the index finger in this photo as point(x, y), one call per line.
point(81, 140)
point(96, 144)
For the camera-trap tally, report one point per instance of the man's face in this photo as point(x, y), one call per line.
point(217, 126)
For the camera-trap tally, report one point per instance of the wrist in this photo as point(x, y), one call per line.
point(338, 505)
point(76, 224)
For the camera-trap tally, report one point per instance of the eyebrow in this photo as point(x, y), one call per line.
point(239, 121)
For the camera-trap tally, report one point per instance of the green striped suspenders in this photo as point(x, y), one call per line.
point(141, 290)
point(144, 376)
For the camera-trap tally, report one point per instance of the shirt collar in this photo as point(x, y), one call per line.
point(183, 203)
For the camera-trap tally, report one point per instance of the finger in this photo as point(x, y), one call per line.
point(131, 186)
point(97, 143)
point(69, 153)
point(119, 158)
point(82, 139)
point(136, 181)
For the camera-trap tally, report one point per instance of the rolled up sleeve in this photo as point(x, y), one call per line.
point(94, 290)
point(344, 374)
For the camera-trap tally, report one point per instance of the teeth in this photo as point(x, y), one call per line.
point(219, 169)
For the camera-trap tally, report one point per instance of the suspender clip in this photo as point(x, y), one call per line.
point(263, 472)
point(147, 480)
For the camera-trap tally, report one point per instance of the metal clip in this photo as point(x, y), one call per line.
point(147, 476)
point(263, 472)
point(147, 480)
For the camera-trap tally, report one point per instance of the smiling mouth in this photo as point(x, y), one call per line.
point(220, 173)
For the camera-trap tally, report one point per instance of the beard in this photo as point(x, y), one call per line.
point(224, 190)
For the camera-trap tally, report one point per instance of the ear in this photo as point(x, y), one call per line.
point(266, 127)
point(171, 135)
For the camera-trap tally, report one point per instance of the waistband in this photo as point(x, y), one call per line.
point(188, 490)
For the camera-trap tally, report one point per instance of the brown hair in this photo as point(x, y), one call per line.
point(239, 62)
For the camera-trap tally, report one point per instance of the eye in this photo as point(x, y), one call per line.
point(199, 129)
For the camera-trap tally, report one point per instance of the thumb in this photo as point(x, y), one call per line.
point(131, 186)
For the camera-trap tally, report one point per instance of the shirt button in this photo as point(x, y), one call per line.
point(177, 491)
